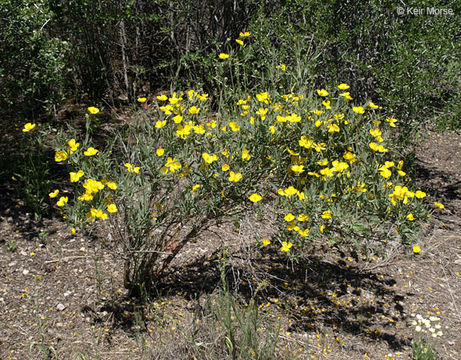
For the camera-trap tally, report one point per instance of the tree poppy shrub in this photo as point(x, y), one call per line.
point(325, 166)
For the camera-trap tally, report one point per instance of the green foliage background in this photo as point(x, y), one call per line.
point(93, 51)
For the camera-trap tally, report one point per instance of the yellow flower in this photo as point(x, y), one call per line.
point(358, 109)
point(346, 96)
point(262, 113)
point(375, 132)
point(160, 152)
point(420, 194)
point(343, 86)
point(303, 217)
point(97, 213)
point(322, 92)
point(112, 208)
point(93, 186)
point(391, 121)
point(245, 34)
point(384, 172)
point(282, 67)
point(306, 143)
point(373, 106)
point(297, 169)
point(225, 167)
point(159, 124)
point(195, 187)
point(263, 97)
point(194, 110)
point(85, 196)
point(28, 127)
point(142, 100)
point(174, 99)
point(60, 156)
point(290, 191)
point(439, 205)
point(132, 168)
point(333, 128)
point(255, 198)
point(286, 246)
point(382, 149)
point(326, 214)
point(93, 110)
point(235, 177)
point(282, 119)
point(327, 104)
point(211, 124)
point(320, 147)
point(177, 119)
point(162, 97)
point(349, 157)
point(289, 217)
point(111, 185)
point(90, 151)
point(209, 158)
point(410, 217)
point(62, 201)
point(234, 126)
point(246, 155)
point(73, 145)
point(304, 233)
point(238, 41)
point(373, 146)
point(75, 176)
point(266, 242)
point(175, 166)
point(293, 118)
point(53, 194)
point(327, 172)
point(73, 231)
point(223, 56)
point(416, 249)
point(167, 109)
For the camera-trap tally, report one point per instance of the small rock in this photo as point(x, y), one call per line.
point(13, 263)
point(25, 272)
point(67, 293)
point(60, 307)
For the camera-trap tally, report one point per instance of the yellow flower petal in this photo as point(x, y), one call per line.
point(255, 198)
